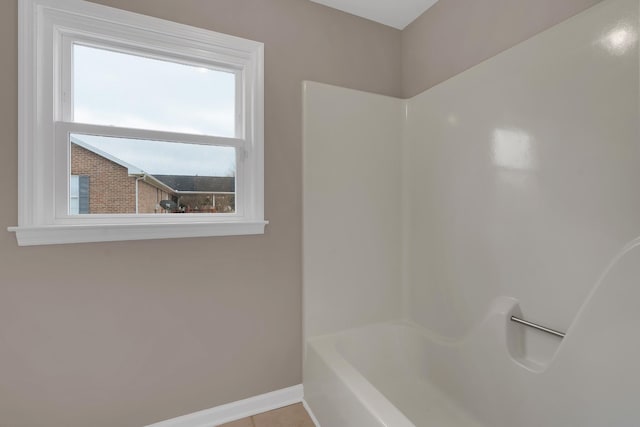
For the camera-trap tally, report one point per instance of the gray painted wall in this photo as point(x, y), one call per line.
point(129, 333)
point(454, 35)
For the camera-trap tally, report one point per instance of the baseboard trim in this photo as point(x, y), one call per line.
point(238, 410)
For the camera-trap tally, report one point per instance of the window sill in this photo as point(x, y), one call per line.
point(62, 234)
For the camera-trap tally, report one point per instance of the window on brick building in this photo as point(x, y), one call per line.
point(147, 128)
point(78, 194)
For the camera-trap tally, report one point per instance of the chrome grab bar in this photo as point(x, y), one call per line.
point(538, 327)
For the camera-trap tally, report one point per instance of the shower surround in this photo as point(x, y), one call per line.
point(510, 189)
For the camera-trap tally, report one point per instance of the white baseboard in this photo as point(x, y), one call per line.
point(237, 410)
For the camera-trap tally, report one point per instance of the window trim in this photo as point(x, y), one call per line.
point(40, 156)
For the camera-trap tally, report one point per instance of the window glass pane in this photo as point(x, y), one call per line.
point(117, 89)
point(128, 176)
point(74, 195)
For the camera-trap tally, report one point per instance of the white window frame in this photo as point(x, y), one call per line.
point(48, 29)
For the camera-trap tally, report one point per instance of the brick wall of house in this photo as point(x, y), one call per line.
point(149, 197)
point(111, 189)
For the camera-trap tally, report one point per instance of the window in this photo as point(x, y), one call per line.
point(132, 127)
point(78, 195)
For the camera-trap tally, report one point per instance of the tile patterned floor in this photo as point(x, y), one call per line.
point(289, 416)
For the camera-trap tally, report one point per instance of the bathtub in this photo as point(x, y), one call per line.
point(376, 376)
point(397, 374)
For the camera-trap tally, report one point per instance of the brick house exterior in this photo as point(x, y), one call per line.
point(112, 188)
point(116, 187)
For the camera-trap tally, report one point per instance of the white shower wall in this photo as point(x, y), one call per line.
point(523, 177)
point(352, 208)
point(519, 177)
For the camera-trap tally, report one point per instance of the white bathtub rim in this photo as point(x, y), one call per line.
point(499, 312)
point(367, 395)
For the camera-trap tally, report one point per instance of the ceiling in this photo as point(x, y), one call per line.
point(395, 13)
